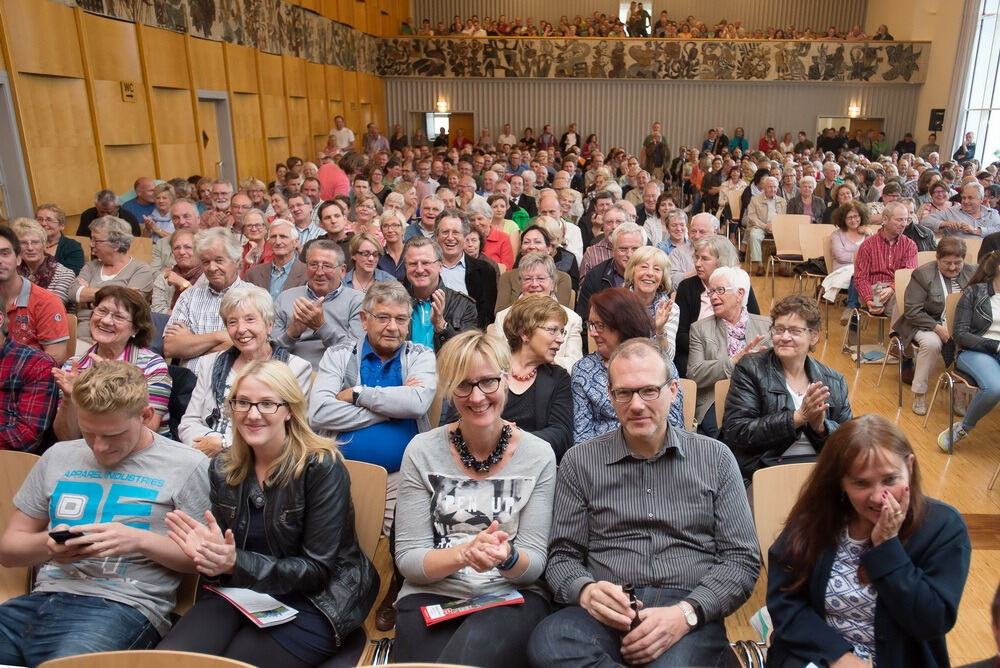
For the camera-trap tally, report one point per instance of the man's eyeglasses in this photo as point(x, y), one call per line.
point(421, 265)
point(384, 318)
point(263, 407)
point(485, 385)
point(623, 395)
point(325, 266)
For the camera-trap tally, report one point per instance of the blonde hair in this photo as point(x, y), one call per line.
point(301, 442)
point(653, 255)
point(528, 314)
point(112, 387)
point(25, 226)
point(459, 353)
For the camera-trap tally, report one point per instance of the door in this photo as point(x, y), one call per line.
point(464, 122)
point(216, 135)
point(15, 198)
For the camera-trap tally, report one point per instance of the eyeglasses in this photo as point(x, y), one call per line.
point(325, 266)
point(99, 241)
point(554, 331)
point(485, 385)
point(251, 225)
point(32, 243)
point(47, 219)
point(421, 265)
point(596, 325)
point(368, 254)
point(100, 313)
point(794, 332)
point(392, 226)
point(384, 318)
point(623, 395)
point(718, 291)
point(263, 407)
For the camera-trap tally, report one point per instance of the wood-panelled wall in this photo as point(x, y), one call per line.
point(66, 67)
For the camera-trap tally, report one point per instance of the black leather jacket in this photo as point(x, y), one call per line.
point(758, 424)
point(309, 525)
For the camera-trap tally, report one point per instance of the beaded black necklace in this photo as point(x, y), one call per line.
point(471, 462)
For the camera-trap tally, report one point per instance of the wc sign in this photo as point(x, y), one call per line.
point(128, 91)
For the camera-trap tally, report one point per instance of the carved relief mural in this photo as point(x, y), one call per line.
point(274, 26)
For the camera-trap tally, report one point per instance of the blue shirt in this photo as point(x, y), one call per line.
point(139, 210)
point(278, 277)
point(667, 245)
point(454, 277)
point(381, 444)
point(421, 328)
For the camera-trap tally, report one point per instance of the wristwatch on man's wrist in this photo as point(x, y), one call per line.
point(690, 616)
point(355, 391)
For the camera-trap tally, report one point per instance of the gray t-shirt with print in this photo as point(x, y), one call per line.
point(69, 486)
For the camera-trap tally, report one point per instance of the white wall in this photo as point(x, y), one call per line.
point(754, 13)
point(620, 112)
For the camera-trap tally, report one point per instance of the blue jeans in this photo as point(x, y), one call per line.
point(852, 295)
point(985, 370)
point(573, 639)
point(37, 627)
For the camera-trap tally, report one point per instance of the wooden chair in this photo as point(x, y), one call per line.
point(71, 324)
point(147, 658)
point(368, 484)
point(972, 247)
point(434, 414)
point(923, 257)
point(14, 468)
point(775, 490)
point(142, 249)
point(902, 280)
point(785, 229)
point(828, 260)
point(690, 389)
point(721, 392)
point(85, 242)
point(951, 374)
point(812, 241)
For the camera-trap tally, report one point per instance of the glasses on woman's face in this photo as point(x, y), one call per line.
point(596, 325)
point(794, 332)
point(32, 243)
point(485, 385)
point(102, 312)
point(721, 291)
point(367, 254)
point(623, 395)
point(263, 407)
point(554, 331)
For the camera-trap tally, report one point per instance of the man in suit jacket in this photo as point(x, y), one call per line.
point(460, 271)
point(709, 358)
point(519, 200)
point(285, 270)
point(760, 213)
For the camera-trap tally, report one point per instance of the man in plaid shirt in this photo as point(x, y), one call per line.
point(28, 393)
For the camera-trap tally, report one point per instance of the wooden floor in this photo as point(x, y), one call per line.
point(960, 480)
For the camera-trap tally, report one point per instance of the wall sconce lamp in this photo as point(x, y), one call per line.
point(442, 106)
point(854, 111)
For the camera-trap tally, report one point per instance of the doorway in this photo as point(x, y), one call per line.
point(15, 196)
point(219, 159)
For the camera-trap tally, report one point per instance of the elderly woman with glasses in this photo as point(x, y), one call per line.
point(720, 341)
point(492, 541)
point(256, 250)
point(38, 267)
point(615, 315)
point(171, 282)
point(110, 240)
point(122, 327)
point(537, 276)
point(392, 224)
point(783, 404)
point(248, 314)
point(67, 252)
point(366, 252)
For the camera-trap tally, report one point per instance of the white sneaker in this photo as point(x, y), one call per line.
point(920, 404)
point(958, 433)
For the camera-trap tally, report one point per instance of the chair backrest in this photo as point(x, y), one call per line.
point(71, 325)
point(735, 203)
point(785, 228)
point(923, 257)
point(142, 249)
point(775, 490)
point(14, 468)
point(368, 498)
point(85, 242)
point(147, 658)
point(972, 247)
point(900, 280)
point(811, 239)
point(950, 304)
point(690, 389)
point(721, 392)
point(828, 252)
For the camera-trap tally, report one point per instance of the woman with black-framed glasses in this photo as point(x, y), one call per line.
point(282, 524)
point(478, 494)
point(783, 404)
point(616, 315)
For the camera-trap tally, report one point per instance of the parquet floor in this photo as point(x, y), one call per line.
point(960, 480)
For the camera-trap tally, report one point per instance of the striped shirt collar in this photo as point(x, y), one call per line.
point(618, 450)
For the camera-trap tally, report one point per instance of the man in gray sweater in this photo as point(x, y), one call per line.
point(322, 313)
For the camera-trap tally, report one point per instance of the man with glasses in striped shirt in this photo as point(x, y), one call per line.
point(655, 506)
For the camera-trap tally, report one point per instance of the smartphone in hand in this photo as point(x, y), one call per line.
point(63, 536)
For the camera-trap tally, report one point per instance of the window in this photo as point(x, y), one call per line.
point(982, 103)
